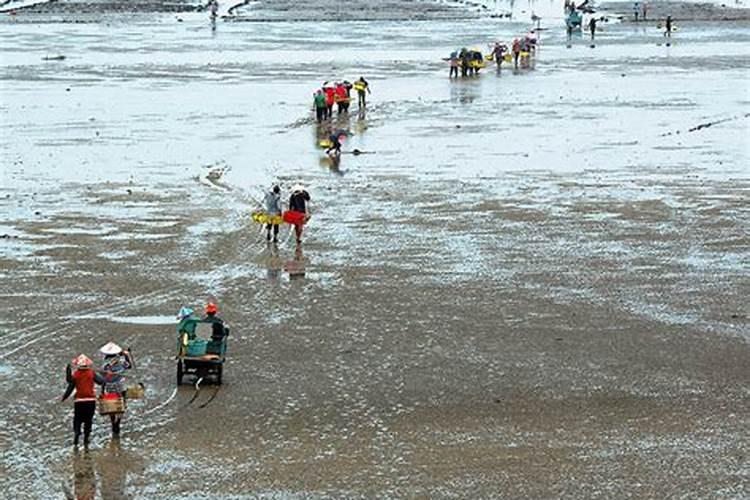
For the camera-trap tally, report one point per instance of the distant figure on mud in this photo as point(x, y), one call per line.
point(330, 94)
point(334, 150)
point(298, 207)
point(668, 27)
point(636, 10)
point(454, 63)
point(498, 52)
point(592, 28)
point(272, 202)
point(463, 56)
point(516, 51)
point(362, 87)
point(82, 380)
point(213, 9)
point(341, 96)
point(319, 101)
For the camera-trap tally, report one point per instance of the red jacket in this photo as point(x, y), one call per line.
point(329, 92)
point(341, 94)
point(83, 382)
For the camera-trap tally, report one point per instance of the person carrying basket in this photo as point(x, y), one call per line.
point(112, 399)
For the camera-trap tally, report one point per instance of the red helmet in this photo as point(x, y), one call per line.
point(211, 308)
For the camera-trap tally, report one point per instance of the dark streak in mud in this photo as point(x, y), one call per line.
point(211, 398)
point(710, 124)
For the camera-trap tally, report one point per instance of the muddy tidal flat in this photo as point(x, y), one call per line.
point(533, 284)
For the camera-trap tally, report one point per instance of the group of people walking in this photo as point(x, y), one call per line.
point(521, 50)
point(297, 215)
point(82, 378)
point(470, 61)
point(338, 94)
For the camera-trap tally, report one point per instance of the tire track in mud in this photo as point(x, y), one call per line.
point(198, 392)
point(162, 419)
point(211, 398)
point(195, 394)
point(53, 328)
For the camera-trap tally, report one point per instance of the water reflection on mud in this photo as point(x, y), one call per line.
point(84, 477)
point(102, 473)
point(296, 266)
point(273, 262)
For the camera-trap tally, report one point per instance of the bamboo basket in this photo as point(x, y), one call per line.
point(111, 406)
point(135, 391)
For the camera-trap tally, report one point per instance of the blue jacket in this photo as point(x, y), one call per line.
point(112, 373)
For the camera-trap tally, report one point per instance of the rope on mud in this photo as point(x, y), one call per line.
point(195, 395)
point(165, 403)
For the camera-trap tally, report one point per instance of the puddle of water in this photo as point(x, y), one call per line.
point(132, 320)
point(5, 370)
point(104, 230)
point(118, 255)
point(134, 236)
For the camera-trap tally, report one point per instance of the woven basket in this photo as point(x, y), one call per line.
point(110, 406)
point(135, 391)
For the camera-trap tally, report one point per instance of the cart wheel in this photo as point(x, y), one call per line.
point(219, 373)
point(179, 372)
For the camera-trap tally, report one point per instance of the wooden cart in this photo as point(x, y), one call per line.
point(202, 347)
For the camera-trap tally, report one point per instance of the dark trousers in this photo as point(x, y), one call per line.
point(275, 230)
point(320, 113)
point(329, 111)
point(83, 415)
point(115, 420)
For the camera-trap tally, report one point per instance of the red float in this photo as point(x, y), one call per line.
point(293, 217)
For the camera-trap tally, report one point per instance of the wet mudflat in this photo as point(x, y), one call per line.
point(534, 287)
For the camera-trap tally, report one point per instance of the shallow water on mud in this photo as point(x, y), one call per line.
point(528, 270)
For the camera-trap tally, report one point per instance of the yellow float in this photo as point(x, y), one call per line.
point(264, 218)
